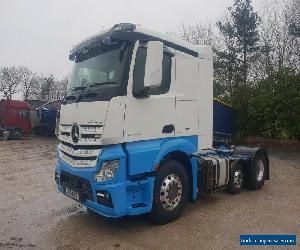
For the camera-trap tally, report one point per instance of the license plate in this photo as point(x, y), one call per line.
point(71, 193)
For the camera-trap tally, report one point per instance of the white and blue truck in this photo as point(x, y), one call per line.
point(136, 127)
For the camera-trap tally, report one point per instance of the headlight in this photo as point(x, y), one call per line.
point(107, 171)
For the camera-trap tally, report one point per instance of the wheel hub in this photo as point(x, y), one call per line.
point(260, 170)
point(171, 192)
point(238, 178)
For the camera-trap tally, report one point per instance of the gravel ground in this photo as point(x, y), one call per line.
point(35, 216)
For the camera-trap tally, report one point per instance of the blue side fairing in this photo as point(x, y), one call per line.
point(131, 195)
point(144, 155)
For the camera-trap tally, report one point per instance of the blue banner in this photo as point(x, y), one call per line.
point(267, 240)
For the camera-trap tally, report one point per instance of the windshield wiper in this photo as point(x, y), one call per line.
point(79, 88)
point(70, 97)
point(94, 84)
point(102, 83)
point(84, 89)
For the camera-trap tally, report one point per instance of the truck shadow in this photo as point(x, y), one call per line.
point(80, 230)
point(83, 230)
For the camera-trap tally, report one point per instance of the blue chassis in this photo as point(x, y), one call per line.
point(134, 181)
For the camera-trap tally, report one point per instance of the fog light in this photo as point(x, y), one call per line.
point(56, 177)
point(104, 198)
point(107, 171)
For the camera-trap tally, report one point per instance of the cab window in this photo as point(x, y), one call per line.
point(139, 72)
point(25, 114)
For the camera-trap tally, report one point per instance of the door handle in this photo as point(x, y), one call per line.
point(168, 129)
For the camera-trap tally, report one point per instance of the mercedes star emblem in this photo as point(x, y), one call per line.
point(75, 133)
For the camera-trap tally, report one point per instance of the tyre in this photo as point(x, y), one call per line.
point(171, 191)
point(257, 173)
point(6, 135)
point(16, 134)
point(236, 179)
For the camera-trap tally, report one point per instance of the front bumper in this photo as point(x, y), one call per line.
point(125, 195)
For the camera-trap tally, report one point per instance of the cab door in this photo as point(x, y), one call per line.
point(150, 115)
point(24, 121)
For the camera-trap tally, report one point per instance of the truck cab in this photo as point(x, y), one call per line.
point(136, 125)
point(14, 119)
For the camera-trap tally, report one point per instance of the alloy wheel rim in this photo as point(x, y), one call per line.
point(238, 178)
point(260, 170)
point(171, 192)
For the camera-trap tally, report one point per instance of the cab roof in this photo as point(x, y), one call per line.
point(128, 31)
point(14, 104)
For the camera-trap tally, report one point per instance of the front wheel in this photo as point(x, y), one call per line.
point(16, 134)
point(171, 191)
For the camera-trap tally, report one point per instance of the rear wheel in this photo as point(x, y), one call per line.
point(257, 174)
point(171, 191)
point(16, 134)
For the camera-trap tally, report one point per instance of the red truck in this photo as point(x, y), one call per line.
point(14, 119)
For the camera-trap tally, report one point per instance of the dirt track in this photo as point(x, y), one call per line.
point(35, 216)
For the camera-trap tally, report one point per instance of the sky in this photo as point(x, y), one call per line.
point(40, 33)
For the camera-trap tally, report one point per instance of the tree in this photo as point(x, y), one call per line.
point(293, 17)
point(20, 79)
point(28, 82)
point(240, 36)
point(238, 47)
point(243, 26)
point(226, 63)
point(10, 79)
point(47, 88)
point(280, 48)
point(60, 88)
point(51, 88)
point(198, 34)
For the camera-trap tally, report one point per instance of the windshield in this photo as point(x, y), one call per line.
point(99, 71)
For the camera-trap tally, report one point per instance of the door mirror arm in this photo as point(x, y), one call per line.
point(142, 93)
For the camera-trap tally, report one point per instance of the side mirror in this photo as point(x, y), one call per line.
point(153, 68)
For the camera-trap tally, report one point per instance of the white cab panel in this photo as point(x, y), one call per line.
point(105, 119)
point(194, 96)
point(206, 98)
point(113, 128)
point(84, 113)
point(187, 119)
point(146, 117)
point(187, 84)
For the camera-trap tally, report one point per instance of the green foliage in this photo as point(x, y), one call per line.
point(272, 107)
point(268, 107)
